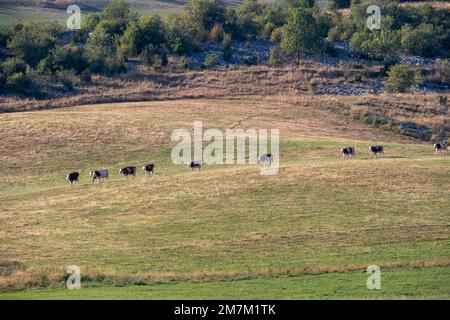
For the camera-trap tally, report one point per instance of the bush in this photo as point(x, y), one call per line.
point(147, 54)
point(216, 35)
point(19, 83)
point(63, 58)
point(204, 14)
point(401, 78)
point(67, 78)
point(443, 71)
point(33, 41)
point(183, 63)
point(276, 35)
point(14, 65)
point(101, 51)
point(420, 40)
point(149, 30)
point(179, 37)
point(211, 60)
point(275, 56)
point(226, 47)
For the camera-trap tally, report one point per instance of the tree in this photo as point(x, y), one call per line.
point(32, 41)
point(102, 52)
point(63, 58)
point(401, 78)
point(149, 31)
point(13, 65)
point(204, 14)
point(419, 41)
point(443, 71)
point(300, 34)
point(381, 45)
point(179, 36)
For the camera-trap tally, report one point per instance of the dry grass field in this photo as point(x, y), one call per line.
point(309, 231)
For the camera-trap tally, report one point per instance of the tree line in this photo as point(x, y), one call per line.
point(42, 52)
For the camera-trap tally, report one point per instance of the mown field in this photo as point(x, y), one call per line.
point(227, 231)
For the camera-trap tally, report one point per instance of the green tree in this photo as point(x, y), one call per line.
point(421, 40)
point(63, 58)
point(13, 65)
point(102, 52)
point(204, 14)
point(33, 41)
point(149, 31)
point(401, 78)
point(443, 71)
point(300, 34)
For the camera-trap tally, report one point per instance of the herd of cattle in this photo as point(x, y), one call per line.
point(439, 147)
point(103, 174)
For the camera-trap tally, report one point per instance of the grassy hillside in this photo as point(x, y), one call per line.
point(320, 218)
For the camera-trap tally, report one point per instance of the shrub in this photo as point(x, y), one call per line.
point(217, 34)
point(183, 63)
point(101, 51)
point(226, 47)
point(19, 83)
point(14, 65)
point(63, 58)
point(443, 71)
point(211, 60)
point(420, 40)
point(204, 14)
point(9, 266)
point(32, 41)
point(275, 56)
point(149, 30)
point(147, 54)
point(276, 35)
point(401, 78)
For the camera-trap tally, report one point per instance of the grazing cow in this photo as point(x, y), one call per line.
point(72, 177)
point(149, 168)
point(376, 149)
point(440, 147)
point(128, 171)
point(195, 164)
point(266, 159)
point(348, 151)
point(99, 175)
